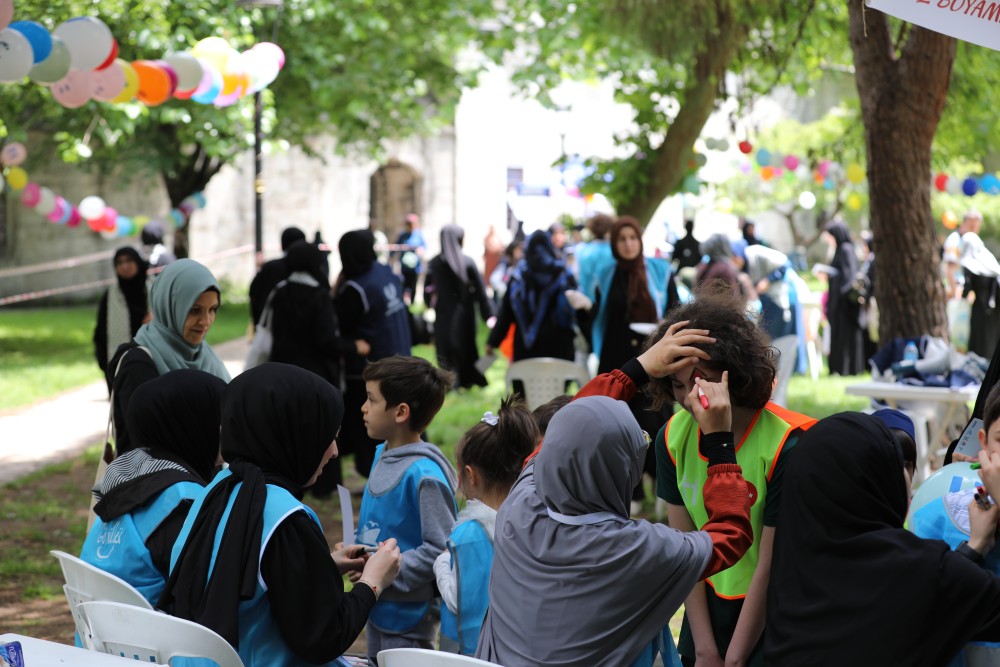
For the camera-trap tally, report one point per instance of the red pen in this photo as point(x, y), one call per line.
point(702, 398)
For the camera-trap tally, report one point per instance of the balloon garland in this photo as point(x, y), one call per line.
point(92, 209)
point(78, 62)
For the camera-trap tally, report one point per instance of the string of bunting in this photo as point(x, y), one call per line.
point(92, 209)
point(78, 62)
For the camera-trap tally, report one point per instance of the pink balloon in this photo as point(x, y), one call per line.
point(108, 83)
point(171, 72)
point(57, 213)
point(74, 218)
point(31, 195)
point(110, 219)
point(228, 100)
point(823, 168)
point(206, 78)
point(791, 162)
point(74, 90)
point(13, 154)
point(6, 13)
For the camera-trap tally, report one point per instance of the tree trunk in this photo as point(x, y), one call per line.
point(669, 161)
point(902, 91)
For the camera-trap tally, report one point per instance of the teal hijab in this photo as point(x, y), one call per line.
point(172, 296)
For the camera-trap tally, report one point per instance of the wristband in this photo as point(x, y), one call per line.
point(371, 586)
point(970, 553)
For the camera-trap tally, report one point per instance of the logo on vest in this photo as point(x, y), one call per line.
point(752, 490)
point(393, 302)
point(109, 537)
point(368, 533)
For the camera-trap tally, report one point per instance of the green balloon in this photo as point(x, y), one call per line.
point(55, 67)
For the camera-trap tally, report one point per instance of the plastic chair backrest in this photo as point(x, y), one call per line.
point(84, 583)
point(787, 347)
point(422, 657)
point(149, 636)
point(544, 378)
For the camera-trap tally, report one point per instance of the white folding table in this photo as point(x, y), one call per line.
point(46, 653)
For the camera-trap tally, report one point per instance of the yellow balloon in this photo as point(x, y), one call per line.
point(131, 82)
point(17, 178)
point(140, 221)
point(215, 50)
point(854, 201)
point(855, 174)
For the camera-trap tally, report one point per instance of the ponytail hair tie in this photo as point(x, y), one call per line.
point(490, 418)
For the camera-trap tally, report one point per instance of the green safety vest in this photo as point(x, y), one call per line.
point(757, 454)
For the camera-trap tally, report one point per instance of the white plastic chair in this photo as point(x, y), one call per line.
point(149, 636)
point(84, 583)
point(787, 347)
point(544, 378)
point(422, 657)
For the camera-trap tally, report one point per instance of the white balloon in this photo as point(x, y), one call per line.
point(954, 186)
point(188, 69)
point(88, 39)
point(807, 200)
point(91, 207)
point(16, 55)
point(46, 201)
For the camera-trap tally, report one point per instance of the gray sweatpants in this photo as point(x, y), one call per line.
point(424, 635)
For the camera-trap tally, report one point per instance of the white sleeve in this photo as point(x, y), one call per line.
point(446, 581)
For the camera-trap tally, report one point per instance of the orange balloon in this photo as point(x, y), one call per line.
point(949, 220)
point(154, 83)
point(229, 83)
point(767, 173)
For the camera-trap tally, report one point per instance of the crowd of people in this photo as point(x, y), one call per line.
point(784, 541)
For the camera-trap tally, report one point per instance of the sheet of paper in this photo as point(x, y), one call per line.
point(968, 443)
point(346, 513)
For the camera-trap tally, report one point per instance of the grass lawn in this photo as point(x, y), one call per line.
point(45, 351)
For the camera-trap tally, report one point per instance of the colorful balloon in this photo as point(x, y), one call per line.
point(209, 93)
point(124, 226)
point(131, 82)
point(108, 83)
point(30, 195)
point(171, 74)
point(74, 90)
point(74, 218)
point(764, 157)
point(855, 173)
point(214, 50)
point(949, 220)
point(854, 201)
point(154, 83)
point(6, 13)
point(16, 56)
point(791, 162)
point(92, 207)
point(970, 186)
point(745, 147)
point(57, 210)
point(188, 71)
point(271, 50)
point(88, 39)
point(46, 201)
point(17, 178)
point(111, 56)
point(941, 182)
point(13, 154)
point(110, 220)
point(37, 36)
point(53, 68)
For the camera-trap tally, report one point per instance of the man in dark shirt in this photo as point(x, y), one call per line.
point(686, 251)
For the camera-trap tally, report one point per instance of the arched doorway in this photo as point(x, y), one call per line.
point(396, 190)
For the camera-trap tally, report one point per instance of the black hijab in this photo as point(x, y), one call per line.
point(452, 237)
point(277, 422)
point(307, 258)
point(357, 252)
point(848, 582)
point(175, 419)
point(133, 288)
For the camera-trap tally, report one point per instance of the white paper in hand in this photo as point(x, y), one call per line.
point(968, 443)
point(346, 513)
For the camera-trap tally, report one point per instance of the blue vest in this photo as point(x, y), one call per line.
point(933, 521)
point(261, 642)
point(119, 546)
point(657, 273)
point(385, 324)
point(396, 513)
point(472, 559)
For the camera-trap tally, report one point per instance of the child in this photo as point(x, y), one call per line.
point(489, 462)
point(544, 413)
point(410, 496)
point(947, 518)
point(726, 620)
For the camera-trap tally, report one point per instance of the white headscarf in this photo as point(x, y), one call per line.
point(575, 581)
point(976, 258)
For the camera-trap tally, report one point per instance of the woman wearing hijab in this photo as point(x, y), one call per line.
point(719, 268)
point(123, 306)
point(603, 586)
point(536, 303)
point(303, 320)
point(635, 290)
point(453, 286)
point(185, 298)
point(368, 298)
point(251, 561)
point(847, 343)
point(145, 494)
point(982, 273)
point(849, 584)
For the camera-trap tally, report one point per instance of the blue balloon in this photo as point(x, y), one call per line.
point(67, 214)
point(209, 95)
point(37, 36)
point(952, 477)
point(124, 225)
point(970, 186)
point(990, 184)
point(764, 157)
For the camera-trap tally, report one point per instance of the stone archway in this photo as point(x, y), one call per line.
point(396, 190)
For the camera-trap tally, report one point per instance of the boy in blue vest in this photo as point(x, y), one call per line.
point(410, 496)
